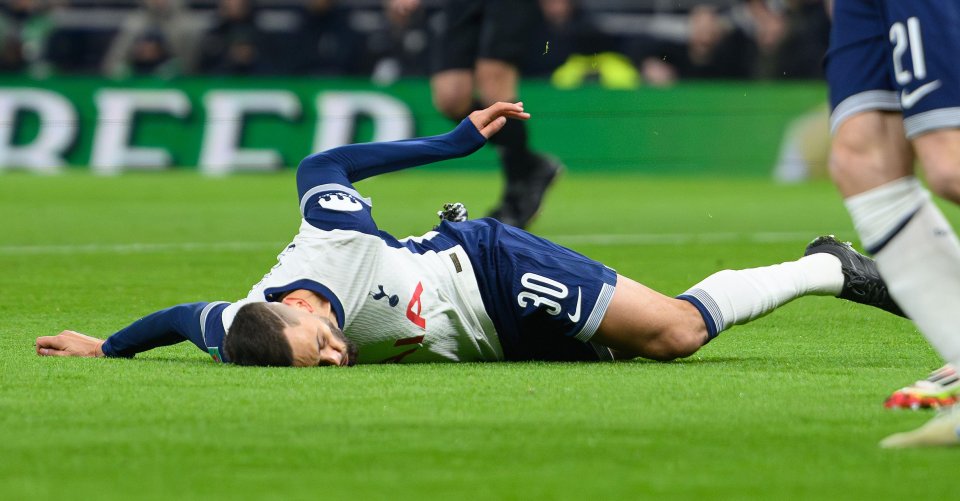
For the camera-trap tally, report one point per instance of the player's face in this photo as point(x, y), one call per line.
point(317, 341)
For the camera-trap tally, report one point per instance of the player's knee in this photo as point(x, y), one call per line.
point(848, 157)
point(944, 178)
point(453, 103)
point(676, 342)
point(497, 81)
point(868, 150)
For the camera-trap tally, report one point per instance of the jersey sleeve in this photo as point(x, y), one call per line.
point(184, 322)
point(325, 180)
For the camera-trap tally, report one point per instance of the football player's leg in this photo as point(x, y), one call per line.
point(642, 322)
point(452, 92)
point(503, 47)
point(453, 57)
point(916, 249)
point(868, 151)
point(939, 153)
point(918, 255)
point(914, 246)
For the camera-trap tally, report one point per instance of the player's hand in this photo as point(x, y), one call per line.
point(489, 121)
point(69, 344)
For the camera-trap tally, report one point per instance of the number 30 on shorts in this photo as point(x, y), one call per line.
point(542, 292)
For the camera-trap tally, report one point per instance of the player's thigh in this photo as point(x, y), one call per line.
point(869, 149)
point(939, 153)
point(496, 81)
point(642, 322)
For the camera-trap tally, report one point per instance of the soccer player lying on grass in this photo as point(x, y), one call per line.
point(344, 292)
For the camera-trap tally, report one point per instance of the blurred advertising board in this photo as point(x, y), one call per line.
point(225, 125)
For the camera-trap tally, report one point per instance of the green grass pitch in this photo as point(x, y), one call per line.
point(788, 407)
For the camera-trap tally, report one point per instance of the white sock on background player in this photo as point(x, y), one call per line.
point(732, 297)
point(918, 255)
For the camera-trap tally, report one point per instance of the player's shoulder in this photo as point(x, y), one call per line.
point(213, 329)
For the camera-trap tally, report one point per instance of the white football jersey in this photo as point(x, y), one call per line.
point(396, 304)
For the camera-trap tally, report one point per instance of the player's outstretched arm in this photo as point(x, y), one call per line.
point(354, 162)
point(165, 327)
point(69, 344)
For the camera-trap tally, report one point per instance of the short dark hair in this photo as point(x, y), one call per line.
point(256, 337)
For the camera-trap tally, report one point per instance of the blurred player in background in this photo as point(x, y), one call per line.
point(895, 93)
point(345, 292)
point(479, 49)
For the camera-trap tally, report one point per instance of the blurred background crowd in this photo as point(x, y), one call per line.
point(618, 43)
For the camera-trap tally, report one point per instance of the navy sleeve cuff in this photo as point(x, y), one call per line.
point(110, 352)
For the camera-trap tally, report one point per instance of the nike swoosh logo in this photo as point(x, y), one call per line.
point(575, 317)
point(909, 99)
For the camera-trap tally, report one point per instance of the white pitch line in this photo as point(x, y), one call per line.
point(682, 238)
point(583, 239)
point(138, 248)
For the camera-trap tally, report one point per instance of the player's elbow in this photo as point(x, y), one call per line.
point(317, 167)
point(322, 160)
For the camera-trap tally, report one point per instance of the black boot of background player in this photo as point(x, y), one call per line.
point(525, 187)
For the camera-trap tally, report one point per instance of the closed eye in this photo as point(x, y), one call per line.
point(319, 345)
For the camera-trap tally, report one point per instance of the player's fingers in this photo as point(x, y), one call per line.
point(50, 346)
point(493, 127)
point(507, 109)
point(50, 352)
point(493, 115)
point(499, 109)
point(51, 342)
point(517, 115)
point(513, 110)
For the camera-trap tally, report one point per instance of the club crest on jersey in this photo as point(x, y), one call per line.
point(340, 201)
point(392, 299)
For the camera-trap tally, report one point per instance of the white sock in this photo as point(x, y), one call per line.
point(879, 214)
point(731, 297)
point(918, 255)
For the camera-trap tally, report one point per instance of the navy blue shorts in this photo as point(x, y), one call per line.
point(545, 300)
point(896, 55)
point(485, 29)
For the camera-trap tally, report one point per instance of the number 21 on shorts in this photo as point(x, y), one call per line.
point(903, 37)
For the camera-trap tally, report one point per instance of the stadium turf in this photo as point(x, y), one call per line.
point(789, 407)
